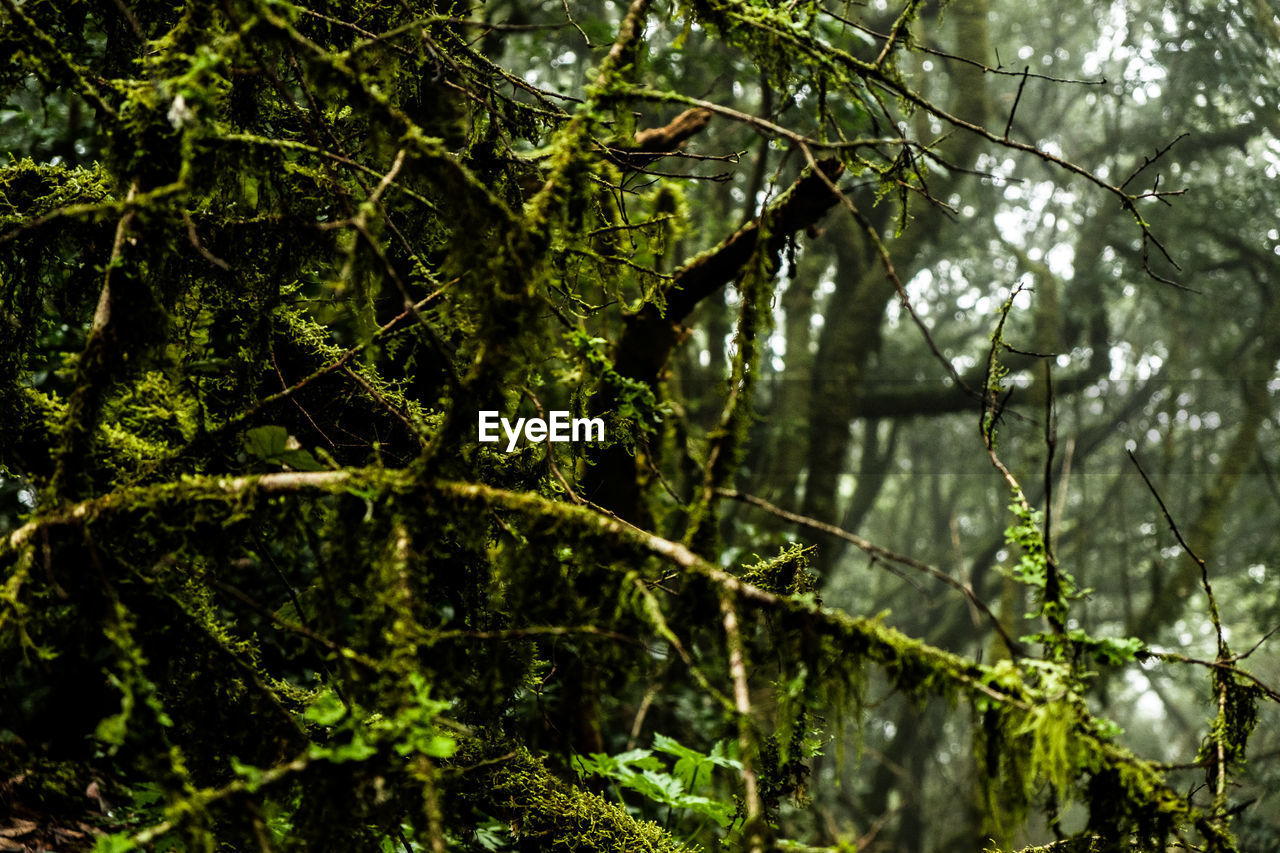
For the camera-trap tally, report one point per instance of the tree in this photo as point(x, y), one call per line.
point(264, 264)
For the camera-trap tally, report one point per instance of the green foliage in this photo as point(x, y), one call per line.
point(1054, 588)
point(636, 410)
point(686, 786)
point(1104, 651)
point(786, 574)
point(272, 444)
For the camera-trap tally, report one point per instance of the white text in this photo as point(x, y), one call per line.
point(558, 427)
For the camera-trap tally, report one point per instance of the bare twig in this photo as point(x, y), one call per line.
point(293, 627)
point(1224, 665)
point(1017, 98)
point(199, 247)
point(1257, 645)
point(886, 261)
point(284, 385)
point(568, 16)
point(942, 54)
point(1223, 652)
point(1219, 776)
point(1147, 161)
point(878, 552)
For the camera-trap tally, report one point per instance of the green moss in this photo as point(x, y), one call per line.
point(557, 816)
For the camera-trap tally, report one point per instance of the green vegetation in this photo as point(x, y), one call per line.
point(263, 262)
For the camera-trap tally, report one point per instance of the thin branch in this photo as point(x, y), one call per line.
point(373, 392)
point(533, 631)
point(1223, 652)
point(1224, 665)
point(1017, 98)
point(284, 384)
point(568, 16)
point(551, 454)
point(1257, 645)
point(764, 124)
point(878, 552)
point(886, 261)
point(1218, 736)
point(942, 54)
point(1147, 161)
point(900, 27)
point(294, 627)
point(199, 247)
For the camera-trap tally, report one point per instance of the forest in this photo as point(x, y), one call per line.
point(828, 426)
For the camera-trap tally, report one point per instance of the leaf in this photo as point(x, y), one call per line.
point(671, 746)
point(358, 750)
point(670, 788)
point(326, 709)
point(641, 759)
point(266, 442)
point(146, 794)
point(274, 444)
point(301, 460)
point(493, 835)
point(118, 842)
point(721, 812)
point(689, 764)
